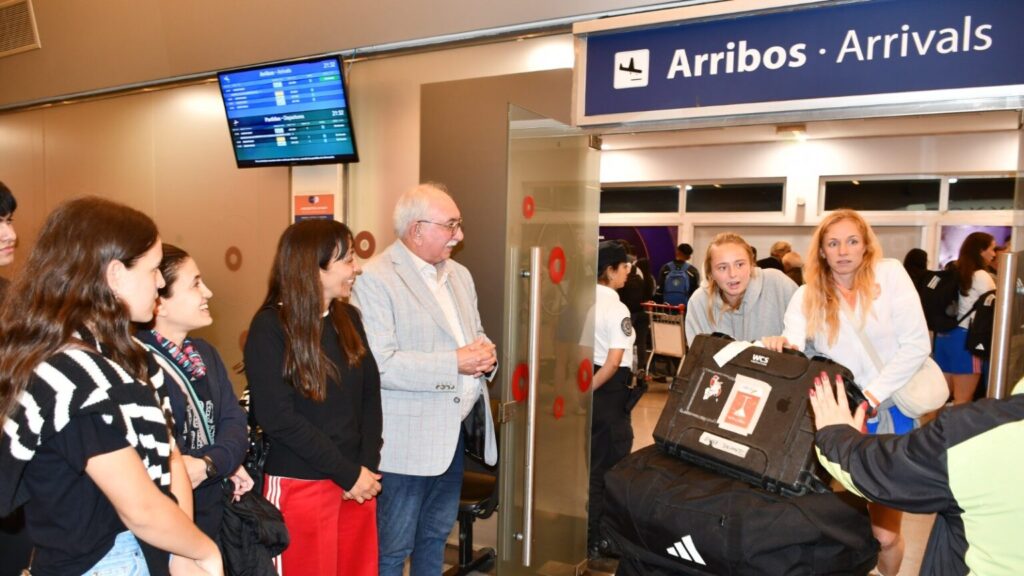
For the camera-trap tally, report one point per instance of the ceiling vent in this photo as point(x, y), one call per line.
point(17, 27)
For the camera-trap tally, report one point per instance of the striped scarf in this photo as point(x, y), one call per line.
point(187, 357)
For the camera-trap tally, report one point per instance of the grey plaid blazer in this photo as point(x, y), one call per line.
point(415, 349)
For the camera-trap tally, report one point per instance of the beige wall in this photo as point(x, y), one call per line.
point(167, 154)
point(93, 44)
point(386, 115)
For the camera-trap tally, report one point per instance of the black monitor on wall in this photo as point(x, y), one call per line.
point(289, 114)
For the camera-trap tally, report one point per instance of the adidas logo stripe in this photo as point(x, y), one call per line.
point(686, 550)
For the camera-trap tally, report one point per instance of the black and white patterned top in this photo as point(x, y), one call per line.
point(78, 382)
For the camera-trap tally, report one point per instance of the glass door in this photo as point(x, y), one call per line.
point(1006, 365)
point(553, 196)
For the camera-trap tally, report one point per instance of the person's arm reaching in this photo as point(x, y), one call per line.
point(907, 472)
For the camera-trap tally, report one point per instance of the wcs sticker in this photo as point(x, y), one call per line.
point(744, 406)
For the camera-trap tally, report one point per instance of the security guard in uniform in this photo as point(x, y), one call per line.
point(611, 429)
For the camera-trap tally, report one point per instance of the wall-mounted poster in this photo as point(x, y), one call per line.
point(952, 236)
point(314, 207)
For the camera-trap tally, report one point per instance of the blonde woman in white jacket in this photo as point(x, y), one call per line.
point(851, 288)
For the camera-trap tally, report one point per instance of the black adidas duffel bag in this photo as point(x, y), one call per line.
point(666, 516)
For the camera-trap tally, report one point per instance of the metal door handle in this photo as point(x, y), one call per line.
point(533, 348)
point(1006, 295)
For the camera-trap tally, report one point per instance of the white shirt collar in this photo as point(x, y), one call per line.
point(439, 271)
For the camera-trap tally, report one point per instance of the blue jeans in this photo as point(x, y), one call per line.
point(124, 559)
point(415, 514)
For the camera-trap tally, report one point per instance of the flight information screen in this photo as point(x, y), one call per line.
point(289, 114)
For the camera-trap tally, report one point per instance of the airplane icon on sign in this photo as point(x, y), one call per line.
point(630, 68)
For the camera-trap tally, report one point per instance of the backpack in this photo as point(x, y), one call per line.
point(677, 284)
point(979, 332)
point(939, 291)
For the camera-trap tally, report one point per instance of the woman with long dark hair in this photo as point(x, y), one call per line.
point(854, 297)
point(209, 425)
point(86, 445)
point(315, 390)
point(961, 368)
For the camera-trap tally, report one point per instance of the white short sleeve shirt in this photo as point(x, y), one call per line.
point(612, 327)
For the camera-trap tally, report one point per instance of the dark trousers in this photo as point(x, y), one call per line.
point(611, 440)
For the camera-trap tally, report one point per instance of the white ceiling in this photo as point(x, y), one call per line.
point(858, 128)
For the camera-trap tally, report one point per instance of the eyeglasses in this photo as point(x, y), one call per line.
point(453, 226)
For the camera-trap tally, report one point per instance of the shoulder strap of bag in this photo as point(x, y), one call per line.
point(974, 308)
point(186, 386)
point(848, 312)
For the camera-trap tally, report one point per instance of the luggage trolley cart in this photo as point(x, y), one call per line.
point(668, 337)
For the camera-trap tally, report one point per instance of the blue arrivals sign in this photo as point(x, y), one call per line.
point(805, 53)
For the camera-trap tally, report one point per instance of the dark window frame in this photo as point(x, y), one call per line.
point(649, 189)
point(845, 185)
point(726, 185)
point(997, 180)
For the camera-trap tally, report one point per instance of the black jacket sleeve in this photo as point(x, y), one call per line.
point(273, 402)
point(908, 472)
point(232, 438)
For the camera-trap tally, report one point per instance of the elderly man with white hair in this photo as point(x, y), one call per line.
point(422, 322)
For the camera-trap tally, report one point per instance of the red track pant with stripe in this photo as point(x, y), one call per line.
point(329, 535)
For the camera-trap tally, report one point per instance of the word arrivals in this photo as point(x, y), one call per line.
point(739, 56)
point(949, 41)
point(685, 549)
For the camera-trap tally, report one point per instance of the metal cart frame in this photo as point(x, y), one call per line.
point(668, 332)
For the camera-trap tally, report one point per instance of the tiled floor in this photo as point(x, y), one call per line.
point(645, 416)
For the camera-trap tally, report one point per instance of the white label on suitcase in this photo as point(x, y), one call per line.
point(719, 443)
point(744, 406)
point(730, 351)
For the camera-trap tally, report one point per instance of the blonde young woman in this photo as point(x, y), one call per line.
point(849, 289)
point(738, 298)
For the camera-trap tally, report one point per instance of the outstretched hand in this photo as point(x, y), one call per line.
point(832, 408)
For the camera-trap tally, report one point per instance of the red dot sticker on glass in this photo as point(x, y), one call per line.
point(528, 207)
point(520, 382)
point(585, 375)
point(556, 264)
point(558, 408)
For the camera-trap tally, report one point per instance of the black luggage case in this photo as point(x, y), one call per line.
point(666, 516)
point(749, 418)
